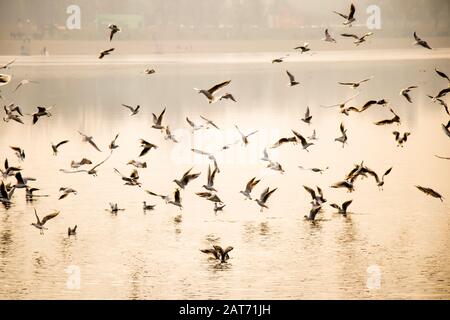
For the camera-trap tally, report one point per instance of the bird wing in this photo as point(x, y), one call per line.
point(352, 11)
point(92, 143)
point(310, 191)
point(342, 128)
point(97, 165)
point(351, 35)
point(443, 92)
point(161, 115)
point(346, 204)
point(416, 37)
point(299, 136)
point(240, 132)
point(49, 216)
point(291, 77)
point(387, 171)
point(268, 194)
point(128, 107)
point(37, 217)
point(442, 74)
point(61, 143)
point(192, 124)
point(200, 152)
point(251, 133)
point(177, 196)
point(341, 14)
point(17, 149)
point(218, 87)
point(307, 113)
point(19, 178)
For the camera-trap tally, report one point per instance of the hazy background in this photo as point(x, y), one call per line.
point(160, 26)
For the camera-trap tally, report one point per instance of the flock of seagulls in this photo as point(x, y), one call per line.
point(210, 193)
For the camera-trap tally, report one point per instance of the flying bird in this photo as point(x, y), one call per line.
point(176, 199)
point(157, 121)
point(114, 29)
point(92, 171)
point(405, 93)
point(303, 48)
point(65, 192)
point(105, 53)
point(342, 209)
point(249, 187)
point(420, 42)
point(72, 231)
point(209, 122)
point(7, 65)
point(147, 146)
point(328, 37)
point(19, 152)
point(210, 180)
point(24, 82)
point(292, 81)
point(442, 74)
point(40, 224)
point(355, 85)
point(430, 192)
point(193, 125)
point(209, 94)
point(186, 178)
point(401, 139)
point(264, 197)
point(395, 119)
point(343, 138)
point(89, 139)
point(307, 118)
point(133, 110)
point(42, 111)
point(350, 17)
point(358, 39)
point(302, 140)
point(113, 144)
point(244, 137)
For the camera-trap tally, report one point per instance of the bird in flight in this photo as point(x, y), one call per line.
point(307, 118)
point(19, 152)
point(24, 82)
point(430, 192)
point(303, 48)
point(89, 139)
point(264, 197)
point(91, 171)
point(42, 111)
point(105, 53)
point(328, 37)
point(249, 187)
point(401, 139)
point(7, 65)
point(305, 144)
point(157, 120)
point(350, 17)
point(186, 178)
point(244, 137)
point(358, 39)
point(405, 93)
point(133, 110)
point(355, 85)
point(40, 224)
point(147, 146)
point(343, 138)
point(395, 119)
point(209, 93)
point(292, 81)
point(342, 209)
point(65, 192)
point(114, 29)
point(420, 42)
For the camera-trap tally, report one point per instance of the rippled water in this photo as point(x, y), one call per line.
point(399, 236)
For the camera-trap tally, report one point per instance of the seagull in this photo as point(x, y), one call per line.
point(280, 60)
point(146, 206)
point(7, 66)
point(430, 192)
point(132, 180)
point(302, 140)
point(40, 224)
point(177, 199)
point(209, 122)
point(317, 199)
point(405, 93)
point(114, 29)
point(421, 42)
point(91, 171)
point(24, 82)
point(5, 79)
point(441, 94)
point(186, 178)
point(138, 164)
point(283, 141)
point(105, 53)
point(72, 231)
point(275, 166)
point(218, 207)
point(319, 170)
point(113, 144)
point(66, 192)
point(342, 210)
point(442, 74)
point(209, 196)
point(328, 37)
point(303, 48)
point(348, 18)
point(227, 96)
point(379, 182)
point(169, 135)
point(265, 156)
point(147, 146)
point(78, 164)
point(344, 184)
point(166, 198)
point(114, 208)
point(10, 115)
point(370, 103)
point(307, 118)
point(355, 85)
point(400, 139)
point(243, 136)
point(90, 140)
point(249, 187)
point(210, 182)
point(42, 111)
point(55, 147)
point(395, 119)
point(358, 40)
point(209, 94)
point(342, 139)
point(264, 197)
point(315, 209)
point(218, 253)
point(292, 81)
point(19, 152)
point(446, 128)
point(149, 71)
point(158, 120)
point(193, 125)
point(133, 110)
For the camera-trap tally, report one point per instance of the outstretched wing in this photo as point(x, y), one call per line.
point(218, 86)
point(61, 143)
point(49, 216)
